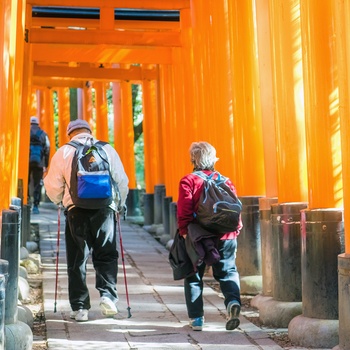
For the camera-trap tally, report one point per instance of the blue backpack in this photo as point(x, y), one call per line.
point(219, 208)
point(91, 183)
point(36, 152)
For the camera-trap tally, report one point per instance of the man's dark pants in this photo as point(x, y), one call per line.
point(91, 230)
point(37, 174)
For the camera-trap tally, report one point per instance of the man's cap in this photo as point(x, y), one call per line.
point(78, 124)
point(34, 120)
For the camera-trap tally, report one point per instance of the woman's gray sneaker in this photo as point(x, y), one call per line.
point(233, 310)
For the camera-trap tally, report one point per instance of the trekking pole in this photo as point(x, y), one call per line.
point(57, 251)
point(124, 270)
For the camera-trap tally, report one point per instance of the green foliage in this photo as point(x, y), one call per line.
point(138, 124)
point(138, 132)
point(55, 117)
point(139, 162)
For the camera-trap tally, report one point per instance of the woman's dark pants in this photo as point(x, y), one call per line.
point(224, 271)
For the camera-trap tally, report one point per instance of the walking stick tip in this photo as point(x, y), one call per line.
point(129, 312)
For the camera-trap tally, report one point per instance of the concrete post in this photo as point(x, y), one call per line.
point(10, 252)
point(267, 261)
point(148, 208)
point(25, 232)
point(4, 265)
point(173, 219)
point(133, 203)
point(344, 301)
point(16, 204)
point(322, 232)
point(249, 247)
point(285, 303)
point(266, 244)
point(159, 194)
point(166, 214)
point(18, 335)
point(285, 219)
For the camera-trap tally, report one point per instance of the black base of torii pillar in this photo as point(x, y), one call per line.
point(322, 233)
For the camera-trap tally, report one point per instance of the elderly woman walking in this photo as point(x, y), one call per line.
point(203, 158)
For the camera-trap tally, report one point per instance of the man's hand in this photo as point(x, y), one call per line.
point(122, 211)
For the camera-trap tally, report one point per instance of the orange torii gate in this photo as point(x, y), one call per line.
point(62, 57)
point(271, 94)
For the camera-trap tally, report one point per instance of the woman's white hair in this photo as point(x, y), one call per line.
point(203, 155)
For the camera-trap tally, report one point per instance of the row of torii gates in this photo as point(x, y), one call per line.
point(265, 81)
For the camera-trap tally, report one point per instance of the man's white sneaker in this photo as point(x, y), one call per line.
point(107, 306)
point(81, 315)
point(73, 314)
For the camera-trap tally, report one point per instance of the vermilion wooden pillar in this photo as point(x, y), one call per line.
point(220, 75)
point(127, 135)
point(212, 89)
point(87, 102)
point(342, 11)
point(23, 159)
point(101, 111)
point(342, 17)
point(190, 88)
point(321, 105)
point(46, 117)
point(117, 110)
point(248, 146)
point(179, 124)
point(188, 117)
point(200, 21)
point(17, 52)
point(118, 140)
point(266, 97)
point(288, 99)
point(11, 40)
point(5, 18)
point(63, 115)
point(161, 137)
point(171, 157)
point(151, 133)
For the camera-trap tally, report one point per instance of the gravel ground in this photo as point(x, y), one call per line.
point(35, 304)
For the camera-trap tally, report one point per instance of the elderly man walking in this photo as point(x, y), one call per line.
point(90, 222)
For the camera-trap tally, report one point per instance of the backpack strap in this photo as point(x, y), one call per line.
point(37, 134)
point(76, 144)
point(201, 174)
point(73, 143)
point(214, 176)
point(206, 177)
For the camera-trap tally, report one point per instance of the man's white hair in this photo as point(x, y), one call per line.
point(203, 155)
